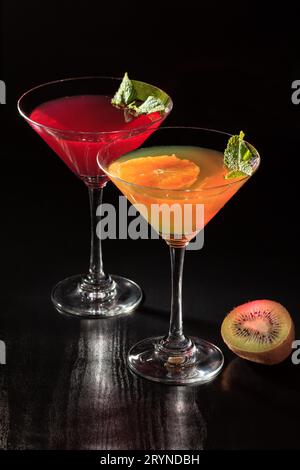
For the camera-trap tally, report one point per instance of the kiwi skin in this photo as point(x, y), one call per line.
point(269, 357)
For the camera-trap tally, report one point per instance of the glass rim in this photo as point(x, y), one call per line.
point(95, 133)
point(154, 188)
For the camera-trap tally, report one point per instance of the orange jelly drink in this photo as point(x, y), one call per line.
point(178, 189)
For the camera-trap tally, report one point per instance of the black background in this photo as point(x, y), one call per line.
point(227, 65)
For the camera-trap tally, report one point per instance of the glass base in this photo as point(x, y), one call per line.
point(200, 363)
point(116, 296)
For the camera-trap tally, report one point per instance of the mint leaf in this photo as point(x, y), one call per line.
point(238, 157)
point(125, 94)
point(234, 174)
point(151, 105)
point(140, 98)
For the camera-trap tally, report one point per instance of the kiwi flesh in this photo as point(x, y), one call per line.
point(260, 331)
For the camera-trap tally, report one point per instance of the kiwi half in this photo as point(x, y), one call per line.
point(260, 331)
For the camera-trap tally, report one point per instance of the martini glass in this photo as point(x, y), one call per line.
point(176, 358)
point(76, 119)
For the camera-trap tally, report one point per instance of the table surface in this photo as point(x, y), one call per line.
point(66, 386)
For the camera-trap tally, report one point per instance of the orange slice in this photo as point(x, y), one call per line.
point(163, 171)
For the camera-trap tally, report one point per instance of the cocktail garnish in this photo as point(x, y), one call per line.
point(126, 93)
point(162, 171)
point(139, 98)
point(238, 158)
point(151, 105)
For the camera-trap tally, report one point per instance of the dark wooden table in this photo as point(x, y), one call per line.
point(66, 386)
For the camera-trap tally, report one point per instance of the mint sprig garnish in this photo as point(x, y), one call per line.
point(238, 157)
point(126, 93)
point(139, 98)
point(151, 105)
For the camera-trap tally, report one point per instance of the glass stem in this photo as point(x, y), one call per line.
point(96, 273)
point(176, 339)
point(96, 284)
